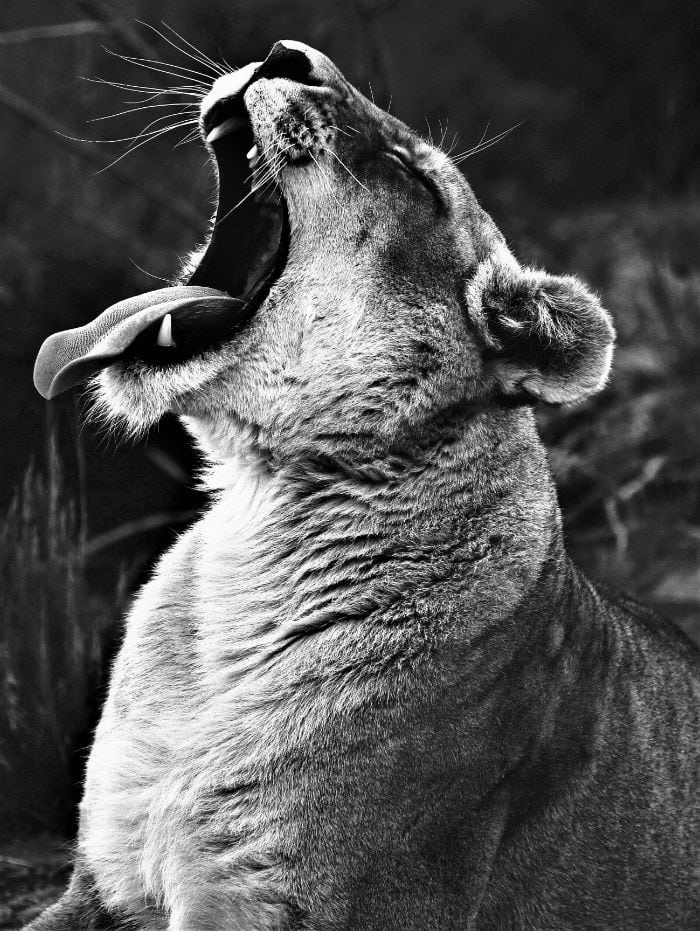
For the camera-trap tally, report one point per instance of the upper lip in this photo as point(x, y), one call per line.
point(225, 100)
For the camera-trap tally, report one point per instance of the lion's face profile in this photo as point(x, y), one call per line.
point(367, 688)
point(374, 291)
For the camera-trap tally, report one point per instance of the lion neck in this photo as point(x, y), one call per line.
point(426, 583)
point(465, 522)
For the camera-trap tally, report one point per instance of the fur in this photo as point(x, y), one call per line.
point(368, 689)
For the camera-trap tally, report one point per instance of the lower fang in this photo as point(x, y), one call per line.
point(165, 333)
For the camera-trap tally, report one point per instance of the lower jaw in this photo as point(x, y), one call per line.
point(194, 333)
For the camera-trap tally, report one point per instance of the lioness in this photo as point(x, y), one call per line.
point(368, 689)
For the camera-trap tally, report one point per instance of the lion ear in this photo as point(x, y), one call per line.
point(547, 335)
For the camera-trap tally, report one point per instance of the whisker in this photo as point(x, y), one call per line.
point(266, 180)
point(326, 181)
point(187, 90)
point(279, 151)
point(342, 131)
point(485, 132)
point(270, 169)
point(142, 63)
point(200, 61)
point(148, 106)
point(338, 159)
point(163, 67)
point(272, 166)
point(235, 207)
point(205, 59)
point(199, 83)
point(453, 144)
point(155, 134)
point(159, 65)
point(482, 146)
point(188, 137)
point(150, 138)
point(150, 274)
point(486, 145)
point(263, 183)
point(152, 97)
point(139, 135)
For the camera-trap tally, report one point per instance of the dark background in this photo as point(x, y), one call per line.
point(599, 178)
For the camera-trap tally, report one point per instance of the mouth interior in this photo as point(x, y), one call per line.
point(247, 250)
point(248, 232)
point(246, 254)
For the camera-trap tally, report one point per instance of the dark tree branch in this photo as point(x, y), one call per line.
point(88, 151)
point(83, 27)
point(130, 36)
point(135, 527)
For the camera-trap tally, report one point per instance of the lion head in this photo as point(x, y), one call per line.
point(352, 295)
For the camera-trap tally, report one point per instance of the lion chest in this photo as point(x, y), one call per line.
point(190, 727)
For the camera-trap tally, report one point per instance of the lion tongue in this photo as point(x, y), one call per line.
point(71, 356)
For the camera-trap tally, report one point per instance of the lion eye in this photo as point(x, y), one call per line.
point(403, 158)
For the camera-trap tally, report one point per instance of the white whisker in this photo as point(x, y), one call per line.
point(188, 137)
point(235, 207)
point(150, 274)
point(482, 146)
point(146, 131)
point(188, 90)
point(150, 138)
point(204, 59)
point(338, 129)
point(142, 63)
point(217, 70)
point(356, 179)
point(149, 106)
point(326, 181)
point(154, 65)
point(453, 144)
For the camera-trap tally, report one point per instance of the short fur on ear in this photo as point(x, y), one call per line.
point(548, 336)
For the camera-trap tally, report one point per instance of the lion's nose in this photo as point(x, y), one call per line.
point(287, 60)
point(298, 62)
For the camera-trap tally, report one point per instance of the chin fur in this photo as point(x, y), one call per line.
point(133, 397)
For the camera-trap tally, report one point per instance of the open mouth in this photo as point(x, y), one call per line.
point(247, 250)
point(245, 256)
point(250, 236)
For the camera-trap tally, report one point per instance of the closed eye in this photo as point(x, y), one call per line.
point(403, 159)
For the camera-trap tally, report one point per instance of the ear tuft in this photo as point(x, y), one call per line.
point(548, 336)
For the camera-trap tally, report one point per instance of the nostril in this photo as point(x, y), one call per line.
point(285, 62)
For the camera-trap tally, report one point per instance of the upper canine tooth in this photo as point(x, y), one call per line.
point(253, 153)
point(165, 333)
point(223, 129)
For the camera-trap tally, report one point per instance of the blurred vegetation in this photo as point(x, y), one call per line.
point(53, 635)
point(627, 462)
point(600, 179)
